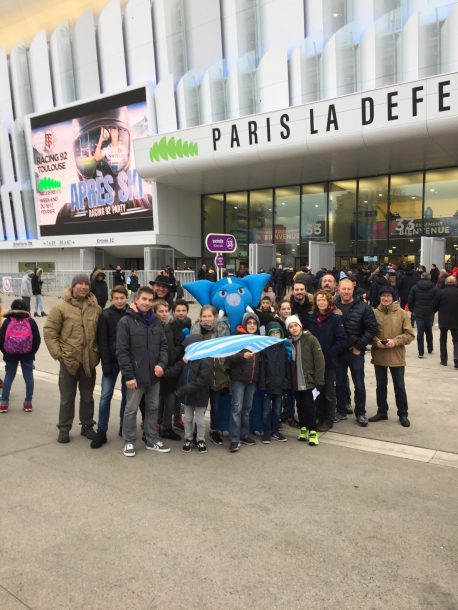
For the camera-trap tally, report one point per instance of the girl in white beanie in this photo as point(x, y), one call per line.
point(307, 372)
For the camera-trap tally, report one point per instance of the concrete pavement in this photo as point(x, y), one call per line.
point(277, 526)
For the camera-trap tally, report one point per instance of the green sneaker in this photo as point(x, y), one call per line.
point(313, 438)
point(303, 435)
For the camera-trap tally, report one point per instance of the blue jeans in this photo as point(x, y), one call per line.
point(108, 386)
point(271, 408)
point(424, 327)
point(242, 400)
point(356, 365)
point(10, 373)
point(39, 304)
point(215, 402)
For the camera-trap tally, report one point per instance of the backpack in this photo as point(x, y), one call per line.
point(18, 337)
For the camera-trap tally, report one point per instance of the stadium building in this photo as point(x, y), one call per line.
point(129, 135)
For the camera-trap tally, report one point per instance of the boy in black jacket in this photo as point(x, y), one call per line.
point(274, 380)
point(106, 339)
point(169, 382)
point(194, 393)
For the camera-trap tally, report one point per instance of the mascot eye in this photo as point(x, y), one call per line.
point(241, 290)
point(222, 293)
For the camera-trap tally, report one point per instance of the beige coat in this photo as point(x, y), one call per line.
point(70, 333)
point(393, 323)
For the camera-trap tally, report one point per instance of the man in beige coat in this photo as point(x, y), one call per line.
point(70, 334)
point(388, 351)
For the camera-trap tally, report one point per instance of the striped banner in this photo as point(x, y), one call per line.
point(227, 346)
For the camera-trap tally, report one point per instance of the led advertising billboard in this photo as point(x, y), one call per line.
point(85, 176)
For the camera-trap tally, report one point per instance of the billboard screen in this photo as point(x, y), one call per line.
point(85, 176)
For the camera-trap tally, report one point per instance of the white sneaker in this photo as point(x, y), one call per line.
point(129, 450)
point(159, 447)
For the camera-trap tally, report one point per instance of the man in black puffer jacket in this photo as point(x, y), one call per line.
point(361, 327)
point(106, 339)
point(446, 303)
point(141, 348)
point(421, 304)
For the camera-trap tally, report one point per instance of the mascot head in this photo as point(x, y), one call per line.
point(231, 296)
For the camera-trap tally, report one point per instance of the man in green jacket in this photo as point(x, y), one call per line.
point(389, 352)
point(70, 334)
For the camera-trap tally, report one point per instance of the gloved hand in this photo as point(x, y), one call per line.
point(289, 349)
point(185, 332)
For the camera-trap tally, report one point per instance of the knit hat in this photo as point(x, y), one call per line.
point(293, 320)
point(18, 305)
point(274, 327)
point(386, 289)
point(80, 278)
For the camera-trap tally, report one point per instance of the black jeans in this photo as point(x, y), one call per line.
point(356, 365)
point(424, 327)
point(306, 411)
point(443, 344)
point(326, 401)
point(397, 375)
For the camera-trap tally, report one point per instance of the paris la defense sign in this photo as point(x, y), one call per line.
point(425, 108)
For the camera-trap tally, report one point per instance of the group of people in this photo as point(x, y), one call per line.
point(302, 381)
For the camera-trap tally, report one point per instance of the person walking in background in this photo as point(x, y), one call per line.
point(26, 288)
point(421, 304)
point(119, 277)
point(106, 339)
point(405, 284)
point(133, 284)
point(99, 287)
point(141, 349)
point(307, 371)
point(37, 284)
point(394, 332)
point(434, 273)
point(446, 303)
point(70, 334)
point(19, 342)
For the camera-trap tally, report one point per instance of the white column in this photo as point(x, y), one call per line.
point(85, 61)
point(165, 105)
point(40, 73)
point(7, 214)
point(18, 212)
point(6, 160)
point(272, 80)
point(6, 104)
point(63, 76)
point(20, 81)
point(138, 38)
point(110, 41)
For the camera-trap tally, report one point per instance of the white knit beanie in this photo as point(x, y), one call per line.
point(292, 320)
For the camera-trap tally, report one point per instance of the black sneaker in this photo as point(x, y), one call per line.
point(362, 420)
point(88, 431)
point(64, 436)
point(201, 447)
point(266, 440)
point(339, 417)
point(171, 435)
point(215, 437)
point(99, 439)
point(233, 447)
point(187, 447)
point(278, 436)
point(248, 441)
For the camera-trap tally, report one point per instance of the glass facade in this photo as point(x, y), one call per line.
point(368, 218)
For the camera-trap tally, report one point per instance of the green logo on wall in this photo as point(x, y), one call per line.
point(172, 149)
point(48, 184)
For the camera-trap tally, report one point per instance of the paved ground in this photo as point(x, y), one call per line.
point(277, 526)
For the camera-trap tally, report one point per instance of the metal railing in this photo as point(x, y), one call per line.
point(55, 283)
